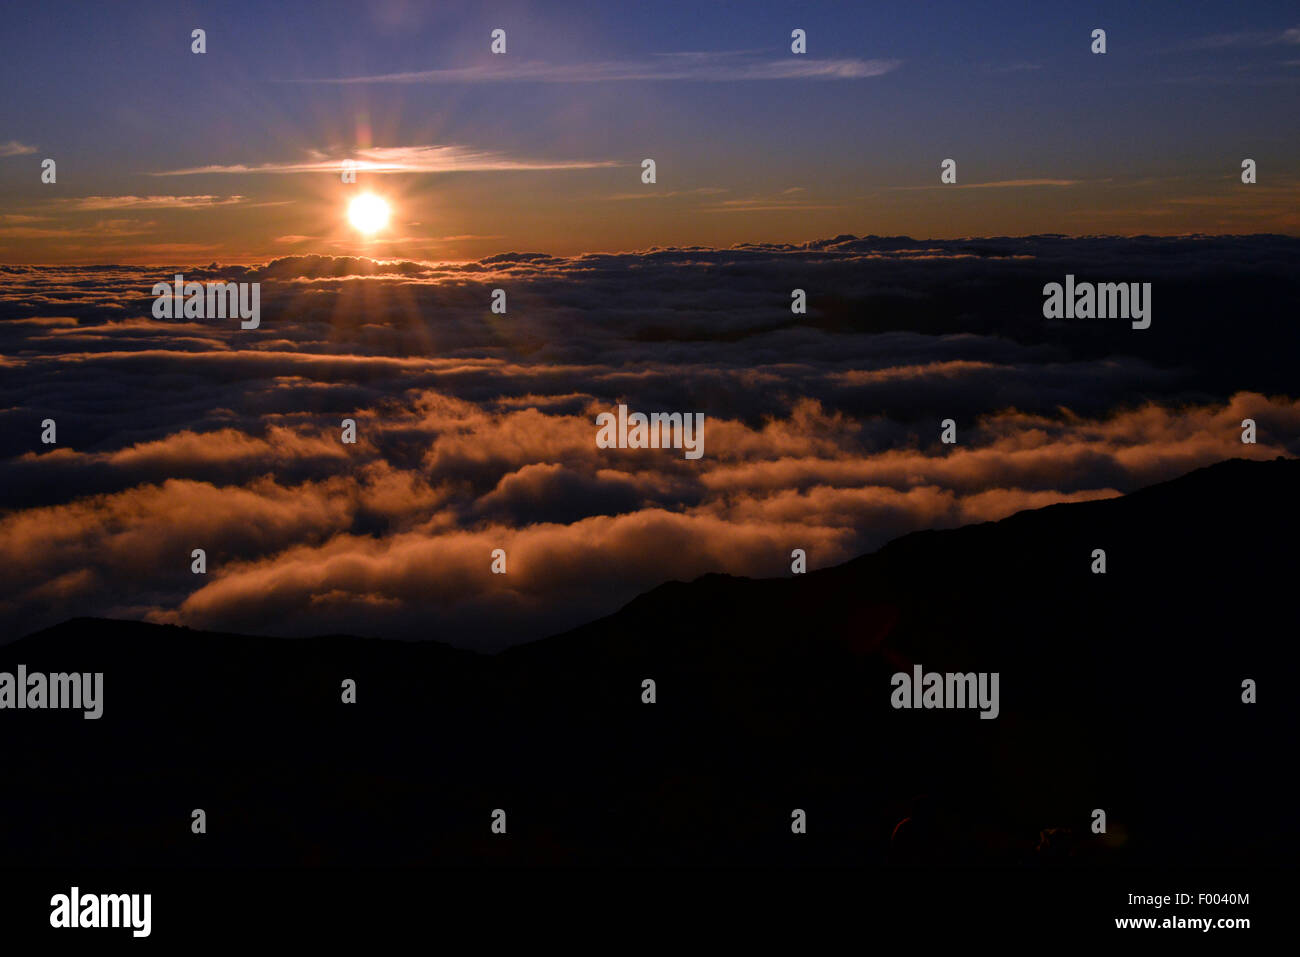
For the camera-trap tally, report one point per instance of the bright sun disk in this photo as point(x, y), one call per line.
point(368, 213)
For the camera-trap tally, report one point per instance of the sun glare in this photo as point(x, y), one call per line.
point(368, 213)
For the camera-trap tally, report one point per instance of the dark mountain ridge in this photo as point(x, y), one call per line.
point(1120, 692)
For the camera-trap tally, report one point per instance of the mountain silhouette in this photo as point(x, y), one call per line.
point(1119, 692)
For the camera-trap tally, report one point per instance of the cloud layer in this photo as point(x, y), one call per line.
point(476, 431)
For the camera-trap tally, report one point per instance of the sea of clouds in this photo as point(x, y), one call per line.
point(477, 431)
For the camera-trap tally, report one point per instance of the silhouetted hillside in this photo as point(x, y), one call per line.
point(1119, 691)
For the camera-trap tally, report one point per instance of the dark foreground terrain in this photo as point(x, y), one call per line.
point(1119, 691)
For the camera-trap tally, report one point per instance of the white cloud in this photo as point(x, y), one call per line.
point(999, 184)
point(401, 159)
point(705, 67)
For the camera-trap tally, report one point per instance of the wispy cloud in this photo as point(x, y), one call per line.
point(14, 148)
point(1241, 38)
point(999, 184)
point(100, 229)
point(705, 67)
point(664, 194)
point(150, 202)
point(400, 159)
point(790, 199)
point(760, 204)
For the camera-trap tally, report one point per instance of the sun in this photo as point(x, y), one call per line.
point(368, 213)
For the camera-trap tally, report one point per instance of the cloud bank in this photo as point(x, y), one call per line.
point(476, 431)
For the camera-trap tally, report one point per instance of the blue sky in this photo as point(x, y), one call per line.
point(1144, 139)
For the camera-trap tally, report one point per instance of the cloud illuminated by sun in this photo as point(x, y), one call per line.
point(368, 213)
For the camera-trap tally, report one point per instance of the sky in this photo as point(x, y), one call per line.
point(166, 156)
